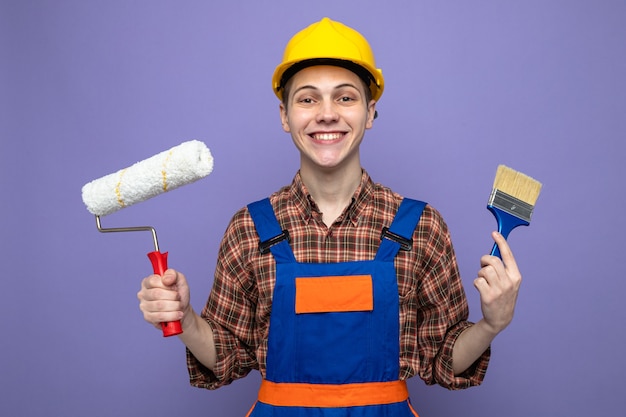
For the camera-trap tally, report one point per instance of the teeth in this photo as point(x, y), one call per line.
point(327, 136)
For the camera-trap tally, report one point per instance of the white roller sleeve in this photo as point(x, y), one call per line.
point(183, 164)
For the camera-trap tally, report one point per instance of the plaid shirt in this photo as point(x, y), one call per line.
point(433, 306)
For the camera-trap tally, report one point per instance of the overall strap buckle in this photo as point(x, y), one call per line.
point(394, 238)
point(405, 244)
point(264, 247)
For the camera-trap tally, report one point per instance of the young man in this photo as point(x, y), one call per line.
point(336, 288)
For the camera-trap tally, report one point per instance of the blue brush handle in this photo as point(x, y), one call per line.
point(506, 223)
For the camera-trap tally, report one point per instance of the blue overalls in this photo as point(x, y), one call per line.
point(333, 344)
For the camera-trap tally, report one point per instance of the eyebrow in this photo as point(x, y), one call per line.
point(312, 87)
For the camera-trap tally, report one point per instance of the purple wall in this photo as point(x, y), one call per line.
point(88, 88)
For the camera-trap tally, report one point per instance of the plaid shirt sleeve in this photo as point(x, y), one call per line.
point(231, 310)
point(435, 311)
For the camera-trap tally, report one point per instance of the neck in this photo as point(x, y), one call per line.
point(332, 191)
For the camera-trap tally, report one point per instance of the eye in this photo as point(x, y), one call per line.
point(304, 99)
point(347, 95)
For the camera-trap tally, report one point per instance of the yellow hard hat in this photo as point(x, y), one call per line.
point(331, 43)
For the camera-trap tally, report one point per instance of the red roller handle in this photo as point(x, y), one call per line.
point(159, 265)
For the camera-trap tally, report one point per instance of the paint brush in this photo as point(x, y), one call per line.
point(512, 201)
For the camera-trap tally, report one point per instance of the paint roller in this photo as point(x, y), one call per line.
point(166, 171)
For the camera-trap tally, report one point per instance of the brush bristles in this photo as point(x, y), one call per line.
point(517, 184)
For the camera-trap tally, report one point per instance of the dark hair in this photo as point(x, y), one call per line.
point(361, 72)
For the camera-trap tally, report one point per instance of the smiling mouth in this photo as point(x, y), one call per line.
point(327, 136)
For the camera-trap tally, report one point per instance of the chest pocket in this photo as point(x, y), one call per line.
point(334, 294)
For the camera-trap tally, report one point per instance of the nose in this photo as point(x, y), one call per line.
point(327, 111)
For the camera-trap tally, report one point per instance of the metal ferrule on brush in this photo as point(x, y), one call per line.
point(510, 205)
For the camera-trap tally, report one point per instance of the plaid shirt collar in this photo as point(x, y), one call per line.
point(308, 208)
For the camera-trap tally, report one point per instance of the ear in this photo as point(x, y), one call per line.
point(284, 120)
point(371, 114)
